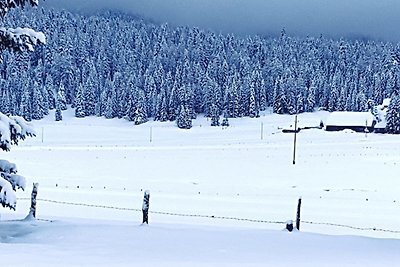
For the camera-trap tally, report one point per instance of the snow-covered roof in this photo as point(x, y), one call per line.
point(348, 118)
point(380, 125)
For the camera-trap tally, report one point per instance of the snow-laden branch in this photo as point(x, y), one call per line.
point(16, 181)
point(20, 39)
point(7, 194)
point(9, 183)
point(13, 129)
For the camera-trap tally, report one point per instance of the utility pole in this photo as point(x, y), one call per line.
point(294, 142)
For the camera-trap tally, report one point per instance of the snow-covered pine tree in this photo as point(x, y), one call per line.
point(109, 112)
point(49, 87)
point(13, 106)
point(234, 108)
point(197, 88)
point(25, 109)
point(378, 87)
point(361, 102)
point(118, 85)
point(141, 110)
point(162, 109)
point(37, 101)
point(184, 121)
point(225, 121)
point(58, 113)
point(79, 103)
point(290, 85)
point(253, 109)
point(150, 90)
point(131, 108)
point(5, 103)
point(45, 100)
point(62, 101)
point(123, 102)
point(173, 103)
point(263, 96)
point(108, 98)
point(393, 115)
point(214, 115)
point(252, 104)
point(300, 103)
point(310, 100)
point(280, 103)
point(90, 88)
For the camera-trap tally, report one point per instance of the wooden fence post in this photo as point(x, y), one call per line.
point(32, 211)
point(298, 214)
point(145, 206)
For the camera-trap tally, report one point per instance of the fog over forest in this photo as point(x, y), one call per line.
point(348, 18)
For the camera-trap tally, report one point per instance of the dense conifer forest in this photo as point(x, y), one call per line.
point(117, 65)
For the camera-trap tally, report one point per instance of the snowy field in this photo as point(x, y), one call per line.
point(244, 171)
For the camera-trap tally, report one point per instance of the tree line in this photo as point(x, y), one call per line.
point(121, 66)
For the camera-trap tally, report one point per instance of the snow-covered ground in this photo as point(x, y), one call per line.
point(244, 171)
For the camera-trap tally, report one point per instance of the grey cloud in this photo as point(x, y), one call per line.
point(377, 19)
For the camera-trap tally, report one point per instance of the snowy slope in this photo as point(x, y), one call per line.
point(243, 171)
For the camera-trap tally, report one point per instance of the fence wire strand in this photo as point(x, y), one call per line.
point(353, 227)
point(214, 217)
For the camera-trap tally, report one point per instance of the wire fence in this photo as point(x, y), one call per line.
point(353, 227)
point(375, 229)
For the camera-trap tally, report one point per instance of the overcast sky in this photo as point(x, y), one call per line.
point(379, 19)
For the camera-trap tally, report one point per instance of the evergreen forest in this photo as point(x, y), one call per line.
point(121, 66)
